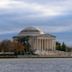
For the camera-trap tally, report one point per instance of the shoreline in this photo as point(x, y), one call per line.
point(15, 57)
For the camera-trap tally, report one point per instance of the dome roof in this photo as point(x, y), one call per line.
point(31, 31)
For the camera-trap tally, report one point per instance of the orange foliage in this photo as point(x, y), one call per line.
point(9, 46)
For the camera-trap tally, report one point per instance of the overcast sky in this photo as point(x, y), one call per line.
point(52, 16)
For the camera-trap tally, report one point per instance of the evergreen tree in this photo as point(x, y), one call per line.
point(58, 46)
point(63, 47)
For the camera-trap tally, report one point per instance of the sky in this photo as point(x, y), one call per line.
point(51, 16)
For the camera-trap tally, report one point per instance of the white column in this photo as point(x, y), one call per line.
point(42, 44)
point(37, 44)
point(54, 44)
point(47, 44)
point(50, 44)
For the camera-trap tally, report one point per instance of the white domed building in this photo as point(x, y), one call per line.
point(39, 40)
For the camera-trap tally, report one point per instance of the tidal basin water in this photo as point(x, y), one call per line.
point(36, 65)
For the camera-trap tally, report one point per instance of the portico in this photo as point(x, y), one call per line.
point(44, 44)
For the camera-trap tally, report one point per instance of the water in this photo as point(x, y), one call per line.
point(36, 65)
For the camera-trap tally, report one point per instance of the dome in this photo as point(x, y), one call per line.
point(30, 31)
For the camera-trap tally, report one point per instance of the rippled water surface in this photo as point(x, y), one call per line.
point(36, 65)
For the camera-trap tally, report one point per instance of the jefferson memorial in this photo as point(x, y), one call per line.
point(39, 40)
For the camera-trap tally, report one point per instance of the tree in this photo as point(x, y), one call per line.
point(25, 42)
point(22, 46)
point(18, 47)
point(11, 46)
point(5, 45)
point(63, 47)
point(58, 46)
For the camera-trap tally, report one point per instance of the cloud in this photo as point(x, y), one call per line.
point(36, 8)
point(13, 22)
point(4, 3)
point(46, 29)
point(64, 5)
point(41, 9)
point(56, 29)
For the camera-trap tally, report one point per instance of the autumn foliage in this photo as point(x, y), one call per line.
point(11, 46)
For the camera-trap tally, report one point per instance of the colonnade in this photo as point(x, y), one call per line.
point(44, 44)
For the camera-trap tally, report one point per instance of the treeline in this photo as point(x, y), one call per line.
point(14, 46)
point(22, 46)
point(62, 47)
